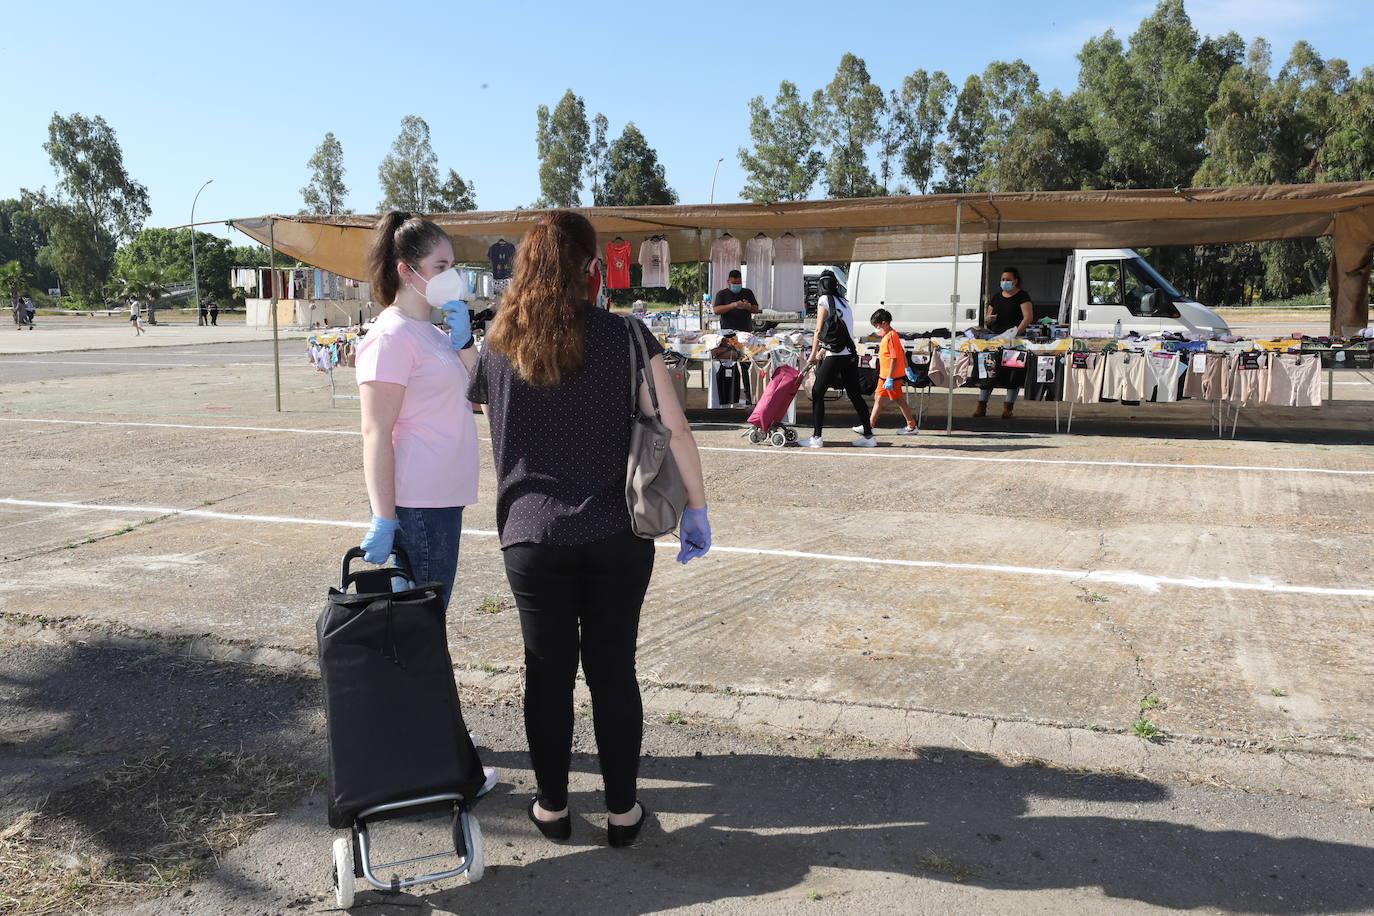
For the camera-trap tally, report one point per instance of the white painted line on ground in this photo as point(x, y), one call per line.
point(909, 453)
point(250, 429)
point(73, 362)
point(1144, 581)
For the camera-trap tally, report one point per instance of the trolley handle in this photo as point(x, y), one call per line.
point(401, 569)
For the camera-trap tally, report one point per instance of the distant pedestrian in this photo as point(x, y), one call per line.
point(20, 314)
point(30, 310)
point(214, 312)
point(135, 317)
point(202, 315)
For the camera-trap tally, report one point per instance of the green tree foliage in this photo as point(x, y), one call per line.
point(14, 282)
point(924, 103)
point(1008, 90)
point(634, 176)
point(167, 253)
point(145, 283)
point(409, 174)
point(22, 238)
point(1348, 153)
point(849, 114)
point(455, 195)
point(596, 157)
point(784, 162)
point(562, 139)
point(1048, 147)
point(960, 154)
point(95, 206)
point(326, 191)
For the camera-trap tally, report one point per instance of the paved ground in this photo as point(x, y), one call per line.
point(1006, 589)
point(743, 822)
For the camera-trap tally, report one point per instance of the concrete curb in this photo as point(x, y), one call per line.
point(1251, 765)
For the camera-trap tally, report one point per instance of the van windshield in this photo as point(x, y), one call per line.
point(1142, 269)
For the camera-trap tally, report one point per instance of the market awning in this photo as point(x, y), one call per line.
point(890, 228)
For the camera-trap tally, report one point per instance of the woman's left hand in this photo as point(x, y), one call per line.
point(695, 534)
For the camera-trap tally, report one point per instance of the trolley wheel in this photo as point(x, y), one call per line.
point(343, 873)
point(756, 436)
point(477, 858)
point(779, 438)
point(790, 433)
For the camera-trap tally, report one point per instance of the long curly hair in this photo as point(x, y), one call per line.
point(541, 325)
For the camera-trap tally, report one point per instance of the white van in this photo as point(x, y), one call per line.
point(1086, 289)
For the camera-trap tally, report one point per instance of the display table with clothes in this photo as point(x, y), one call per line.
point(329, 349)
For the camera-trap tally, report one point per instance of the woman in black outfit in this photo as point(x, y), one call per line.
point(555, 376)
point(839, 368)
point(1008, 308)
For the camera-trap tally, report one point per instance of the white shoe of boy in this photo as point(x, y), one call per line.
point(812, 442)
point(865, 442)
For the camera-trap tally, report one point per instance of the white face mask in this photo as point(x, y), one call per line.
point(444, 287)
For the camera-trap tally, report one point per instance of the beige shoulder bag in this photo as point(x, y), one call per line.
point(654, 492)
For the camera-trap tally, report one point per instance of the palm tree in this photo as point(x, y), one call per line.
point(14, 281)
point(142, 283)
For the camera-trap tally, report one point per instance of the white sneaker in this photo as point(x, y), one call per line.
point(490, 782)
point(858, 429)
point(865, 442)
point(812, 442)
point(908, 431)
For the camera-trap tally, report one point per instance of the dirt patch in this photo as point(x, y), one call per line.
point(153, 823)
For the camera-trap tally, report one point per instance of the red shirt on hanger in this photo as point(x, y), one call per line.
point(618, 265)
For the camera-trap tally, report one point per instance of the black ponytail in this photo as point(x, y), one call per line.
point(400, 236)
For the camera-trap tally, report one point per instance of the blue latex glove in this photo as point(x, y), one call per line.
point(459, 323)
point(377, 542)
point(695, 534)
point(911, 375)
point(889, 384)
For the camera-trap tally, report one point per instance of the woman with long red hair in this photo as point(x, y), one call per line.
point(555, 376)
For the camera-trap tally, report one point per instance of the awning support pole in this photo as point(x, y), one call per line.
point(276, 339)
point(954, 313)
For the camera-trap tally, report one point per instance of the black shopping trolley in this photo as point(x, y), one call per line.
point(397, 743)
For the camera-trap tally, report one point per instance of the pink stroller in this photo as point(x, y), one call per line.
point(767, 418)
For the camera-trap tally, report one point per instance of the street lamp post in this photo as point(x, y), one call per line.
point(713, 178)
point(195, 270)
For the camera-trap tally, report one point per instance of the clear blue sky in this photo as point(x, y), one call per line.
point(244, 92)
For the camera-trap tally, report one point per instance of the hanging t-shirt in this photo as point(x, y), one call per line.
point(618, 265)
point(724, 258)
point(653, 257)
point(759, 255)
point(789, 287)
point(502, 256)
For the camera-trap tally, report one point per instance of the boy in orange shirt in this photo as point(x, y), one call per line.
point(891, 371)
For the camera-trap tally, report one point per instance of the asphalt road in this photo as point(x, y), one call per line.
point(37, 367)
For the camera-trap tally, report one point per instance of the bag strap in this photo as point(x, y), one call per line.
point(639, 356)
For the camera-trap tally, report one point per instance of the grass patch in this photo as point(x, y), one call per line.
point(1144, 728)
point(946, 868)
point(675, 718)
point(491, 606)
point(1279, 692)
point(1151, 702)
point(818, 752)
point(1092, 598)
point(813, 895)
point(153, 823)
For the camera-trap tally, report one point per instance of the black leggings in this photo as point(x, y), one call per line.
point(846, 370)
point(582, 600)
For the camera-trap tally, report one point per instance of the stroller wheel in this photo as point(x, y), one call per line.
point(477, 854)
point(779, 438)
point(757, 436)
point(343, 873)
point(790, 433)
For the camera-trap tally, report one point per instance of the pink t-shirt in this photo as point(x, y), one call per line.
point(435, 437)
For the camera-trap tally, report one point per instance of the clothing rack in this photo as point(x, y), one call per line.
point(328, 350)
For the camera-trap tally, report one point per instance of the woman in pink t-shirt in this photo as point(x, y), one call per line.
point(419, 439)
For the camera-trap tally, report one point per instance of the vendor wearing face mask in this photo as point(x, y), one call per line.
point(1009, 307)
point(736, 305)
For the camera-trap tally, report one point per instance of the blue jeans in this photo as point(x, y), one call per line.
point(430, 539)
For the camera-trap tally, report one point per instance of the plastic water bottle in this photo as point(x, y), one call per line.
point(1116, 332)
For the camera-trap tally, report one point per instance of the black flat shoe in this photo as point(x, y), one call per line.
point(619, 836)
point(558, 830)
